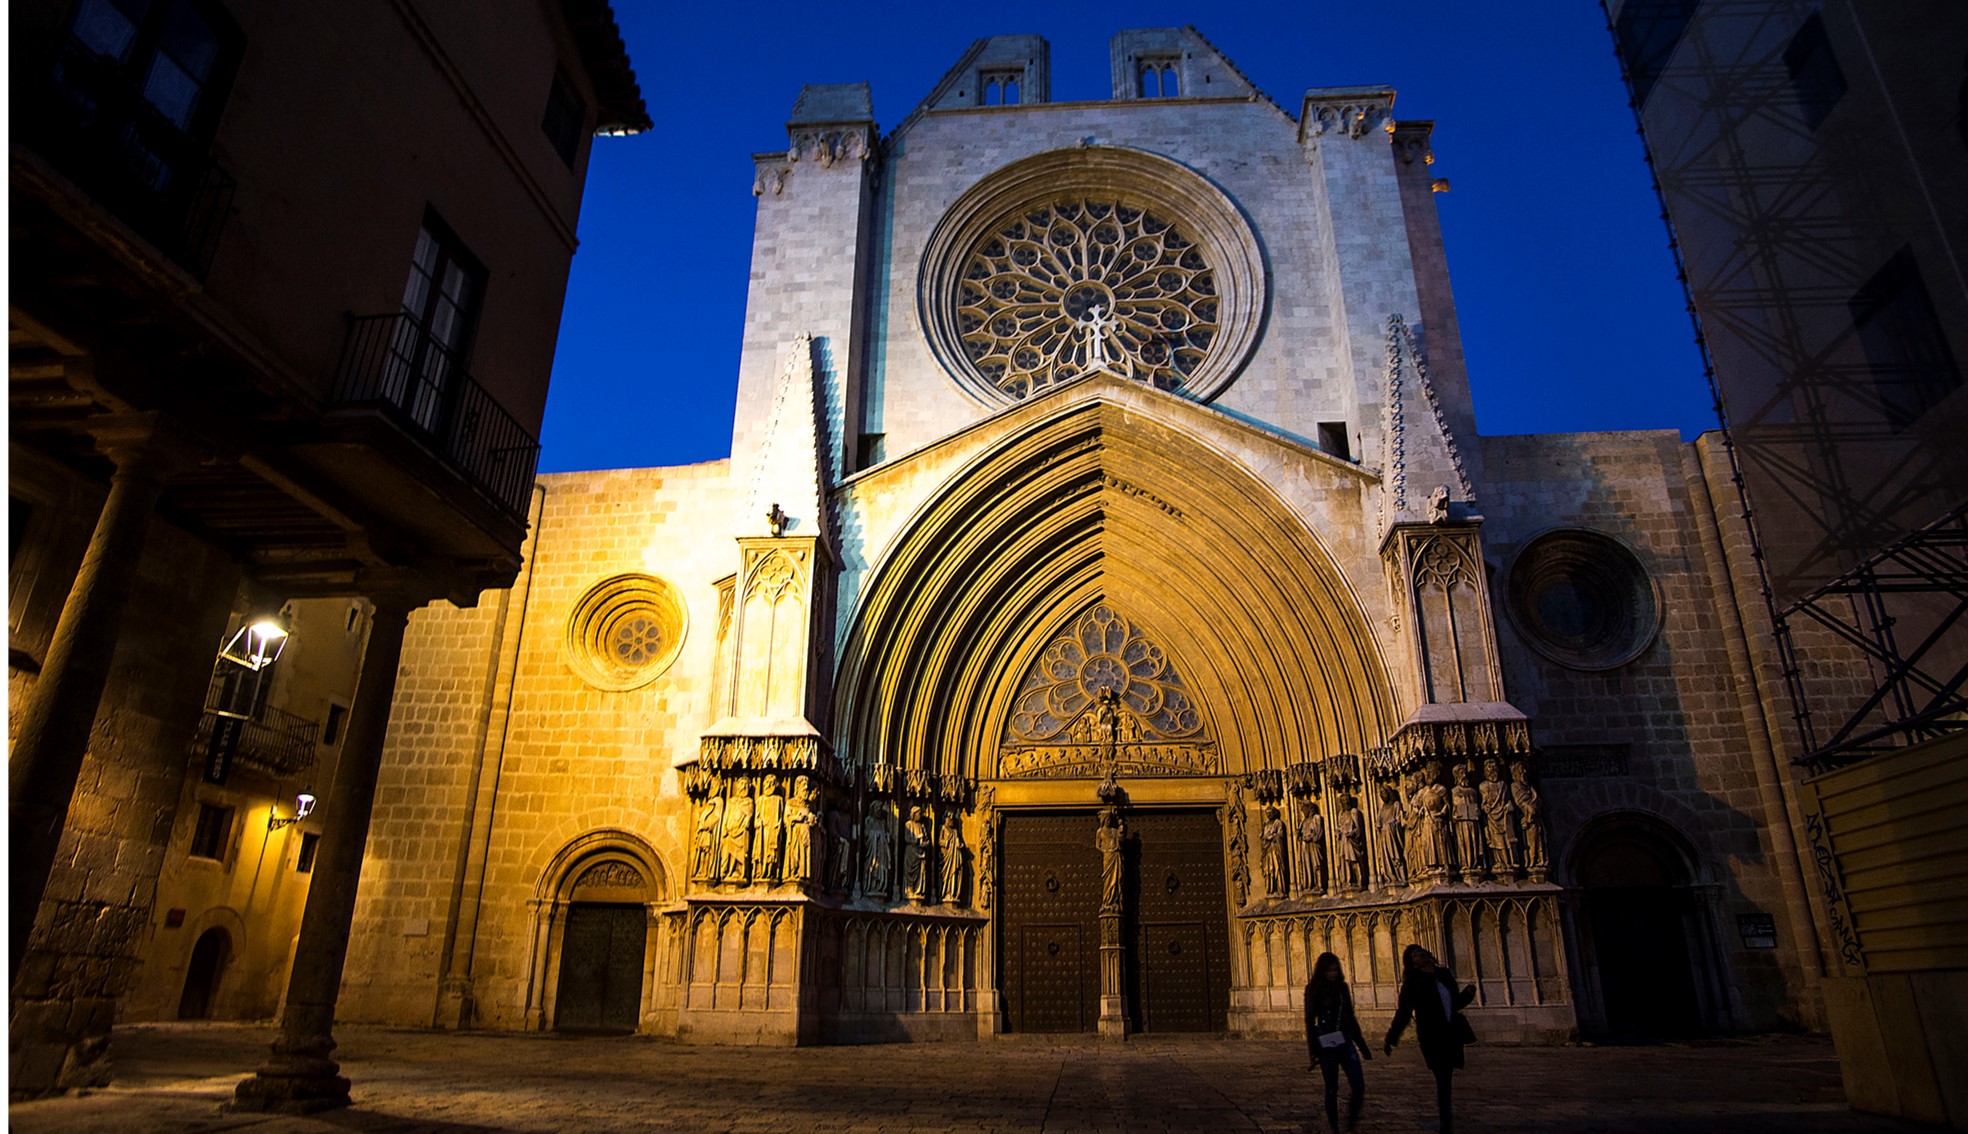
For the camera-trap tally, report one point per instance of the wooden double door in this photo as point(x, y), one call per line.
point(601, 955)
point(1174, 935)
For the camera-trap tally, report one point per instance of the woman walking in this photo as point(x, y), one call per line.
point(1429, 995)
point(1333, 1036)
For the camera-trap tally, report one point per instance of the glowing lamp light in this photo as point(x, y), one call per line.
point(303, 807)
point(256, 645)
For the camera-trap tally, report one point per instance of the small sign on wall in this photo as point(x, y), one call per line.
point(219, 752)
point(1759, 930)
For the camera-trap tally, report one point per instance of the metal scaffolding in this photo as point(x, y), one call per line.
point(1814, 259)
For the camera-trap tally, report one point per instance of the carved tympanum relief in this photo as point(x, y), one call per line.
point(1104, 694)
point(612, 874)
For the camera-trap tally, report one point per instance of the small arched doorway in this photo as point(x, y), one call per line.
point(203, 973)
point(1643, 927)
point(601, 891)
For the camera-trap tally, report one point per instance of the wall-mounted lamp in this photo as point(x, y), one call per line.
point(257, 644)
point(303, 807)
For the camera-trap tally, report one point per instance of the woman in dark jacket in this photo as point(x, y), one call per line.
point(1333, 1035)
point(1429, 995)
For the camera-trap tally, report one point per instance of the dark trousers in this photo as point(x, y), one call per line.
point(1443, 1117)
point(1331, 1061)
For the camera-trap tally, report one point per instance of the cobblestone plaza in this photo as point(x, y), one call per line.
point(174, 1079)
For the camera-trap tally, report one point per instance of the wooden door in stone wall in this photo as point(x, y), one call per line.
point(1179, 971)
point(601, 953)
point(1049, 932)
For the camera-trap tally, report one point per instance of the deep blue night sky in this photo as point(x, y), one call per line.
point(1570, 313)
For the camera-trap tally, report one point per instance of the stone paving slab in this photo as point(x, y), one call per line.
point(175, 1078)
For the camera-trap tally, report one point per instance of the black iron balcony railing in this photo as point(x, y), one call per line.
point(274, 741)
point(394, 363)
point(84, 115)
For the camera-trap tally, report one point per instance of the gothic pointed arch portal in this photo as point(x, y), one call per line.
point(1101, 505)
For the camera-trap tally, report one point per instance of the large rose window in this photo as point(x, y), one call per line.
point(1092, 260)
point(1085, 286)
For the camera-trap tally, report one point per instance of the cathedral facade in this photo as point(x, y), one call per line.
point(1108, 606)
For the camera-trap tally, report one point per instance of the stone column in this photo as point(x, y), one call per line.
point(54, 730)
point(301, 1077)
point(1111, 841)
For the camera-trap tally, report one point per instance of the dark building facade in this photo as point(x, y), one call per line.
point(1810, 156)
point(286, 283)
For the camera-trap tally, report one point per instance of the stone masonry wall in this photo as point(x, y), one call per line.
point(568, 758)
point(1676, 705)
point(1299, 373)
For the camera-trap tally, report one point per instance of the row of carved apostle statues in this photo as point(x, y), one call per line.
point(1422, 831)
point(775, 833)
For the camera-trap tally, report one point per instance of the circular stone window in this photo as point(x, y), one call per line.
point(1090, 261)
point(625, 631)
point(1582, 599)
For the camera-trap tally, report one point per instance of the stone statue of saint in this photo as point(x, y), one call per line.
point(1468, 811)
point(738, 834)
point(1499, 821)
point(1432, 816)
point(1233, 820)
point(1107, 839)
point(915, 856)
point(704, 849)
point(1312, 835)
point(800, 826)
point(950, 852)
point(1391, 853)
point(768, 825)
point(840, 850)
point(1352, 849)
point(875, 837)
point(1526, 798)
point(1108, 715)
point(1276, 875)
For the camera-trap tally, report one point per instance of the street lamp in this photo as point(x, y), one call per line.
point(303, 807)
point(257, 644)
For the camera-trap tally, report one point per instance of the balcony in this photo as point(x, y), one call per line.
point(83, 114)
point(394, 365)
point(274, 741)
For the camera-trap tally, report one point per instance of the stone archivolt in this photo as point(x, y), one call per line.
point(957, 618)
